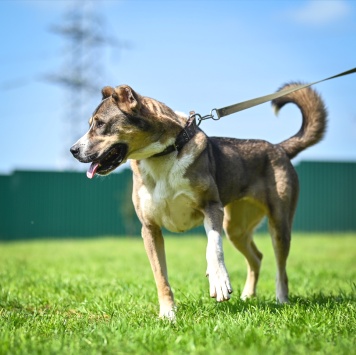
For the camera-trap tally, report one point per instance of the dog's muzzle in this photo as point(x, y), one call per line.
point(75, 150)
point(105, 163)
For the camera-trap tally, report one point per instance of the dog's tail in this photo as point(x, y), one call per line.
point(314, 118)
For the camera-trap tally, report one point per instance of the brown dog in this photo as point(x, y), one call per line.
point(183, 179)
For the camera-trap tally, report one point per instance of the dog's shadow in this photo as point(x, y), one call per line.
point(260, 304)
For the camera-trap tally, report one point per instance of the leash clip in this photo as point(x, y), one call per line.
point(200, 118)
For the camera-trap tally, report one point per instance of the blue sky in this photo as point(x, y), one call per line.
point(191, 55)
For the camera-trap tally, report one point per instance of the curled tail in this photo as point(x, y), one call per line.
point(314, 118)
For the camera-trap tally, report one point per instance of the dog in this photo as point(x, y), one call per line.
point(183, 179)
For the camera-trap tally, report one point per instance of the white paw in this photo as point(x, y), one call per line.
point(168, 312)
point(220, 286)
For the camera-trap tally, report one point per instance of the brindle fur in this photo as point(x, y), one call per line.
point(223, 183)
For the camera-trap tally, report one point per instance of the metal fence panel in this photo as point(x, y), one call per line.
point(66, 204)
point(327, 200)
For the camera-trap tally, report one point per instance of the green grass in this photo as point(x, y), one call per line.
point(98, 297)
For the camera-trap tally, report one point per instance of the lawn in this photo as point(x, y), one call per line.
point(97, 296)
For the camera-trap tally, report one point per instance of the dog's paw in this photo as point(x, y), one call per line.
point(168, 313)
point(282, 298)
point(247, 295)
point(220, 286)
point(248, 291)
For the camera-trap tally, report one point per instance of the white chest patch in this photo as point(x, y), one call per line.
point(171, 202)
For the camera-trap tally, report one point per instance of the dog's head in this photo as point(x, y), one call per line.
point(125, 125)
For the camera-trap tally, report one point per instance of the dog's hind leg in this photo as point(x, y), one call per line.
point(280, 220)
point(241, 218)
point(282, 202)
point(154, 245)
point(280, 230)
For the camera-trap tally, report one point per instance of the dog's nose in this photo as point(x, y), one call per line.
point(74, 150)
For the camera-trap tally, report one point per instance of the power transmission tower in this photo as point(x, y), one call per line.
point(81, 74)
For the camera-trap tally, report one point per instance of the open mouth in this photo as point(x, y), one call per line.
point(109, 161)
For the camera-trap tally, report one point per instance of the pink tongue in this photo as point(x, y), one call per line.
point(92, 170)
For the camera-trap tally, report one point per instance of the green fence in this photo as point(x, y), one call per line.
point(67, 204)
point(327, 200)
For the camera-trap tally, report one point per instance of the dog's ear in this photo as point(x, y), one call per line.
point(107, 91)
point(126, 98)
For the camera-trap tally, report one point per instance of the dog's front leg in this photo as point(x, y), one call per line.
point(220, 286)
point(154, 245)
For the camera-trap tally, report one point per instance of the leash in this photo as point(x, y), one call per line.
point(228, 110)
point(190, 129)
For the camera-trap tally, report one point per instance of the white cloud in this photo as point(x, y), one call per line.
point(321, 12)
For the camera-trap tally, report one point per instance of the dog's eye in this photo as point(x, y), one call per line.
point(99, 124)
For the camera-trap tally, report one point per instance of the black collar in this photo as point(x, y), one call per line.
point(184, 136)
